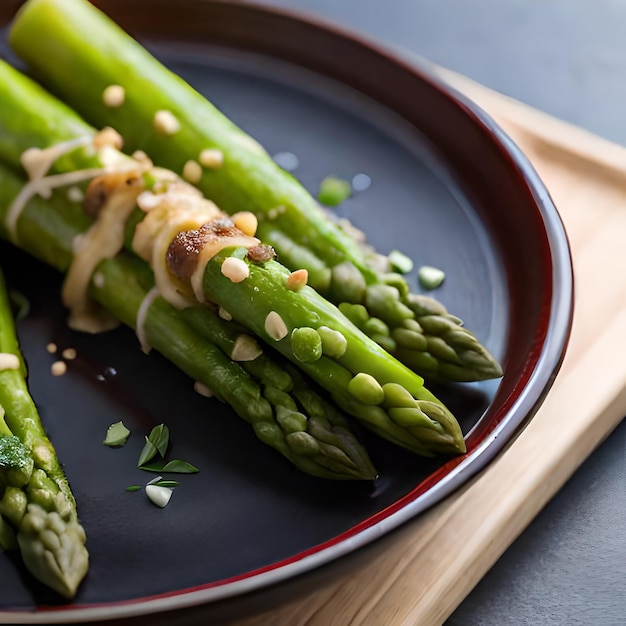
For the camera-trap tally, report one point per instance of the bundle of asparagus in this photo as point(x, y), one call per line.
point(131, 91)
point(197, 285)
point(284, 410)
point(37, 509)
point(364, 380)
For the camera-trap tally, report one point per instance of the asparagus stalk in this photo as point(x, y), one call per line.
point(61, 39)
point(405, 413)
point(285, 412)
point(37, 509)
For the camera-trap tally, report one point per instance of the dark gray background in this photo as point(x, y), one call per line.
point(568, 58)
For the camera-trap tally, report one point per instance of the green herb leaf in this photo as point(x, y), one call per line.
point(166, 483)
point(430, 277)
point(180, 467)
point(156, 442)
point(19, 303)
point(160, 437)
point(400, 262)
point(333, 191)
point(117, 435)
point(175, 467)
point(133, 488)
point(149, 452)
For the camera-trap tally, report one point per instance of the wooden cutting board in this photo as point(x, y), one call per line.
point(420, 573)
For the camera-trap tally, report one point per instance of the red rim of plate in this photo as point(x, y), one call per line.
point(485, 440)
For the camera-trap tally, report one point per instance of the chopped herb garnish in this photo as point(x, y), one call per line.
point(117, 435)
point(156, 443)
point(175, 467)
point(333, 191)
point(19, 303)
point(167, 483)
point(158, 480)
point(148, 453)
point(158, 495)
point(159, 490)
point(180, 467)
point(400, 262)
point(430, 277)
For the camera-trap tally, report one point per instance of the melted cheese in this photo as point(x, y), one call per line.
point(37, 162)
point(142, 314)
point(176, 211)
point(103, 240)
point(43, 187)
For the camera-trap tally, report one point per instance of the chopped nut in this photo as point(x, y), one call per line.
point(77, 242)
point(75, 194)
point(9, 361)
point(51, 348)
point(211, 158)
point(235, 269)
point(141, 156)
point(192, 172)
point(69, 354)
point(273, 213)
point(166, 123)
point(114, 96)
point(98, 279)
point(275, 327)
point(108, 137)
point(297, 279)
point(224, 314)
point(202, 389)
point(58, 368)
point(246, 222)
point(245, 349)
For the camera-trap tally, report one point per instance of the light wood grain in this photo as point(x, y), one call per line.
point(408, 577)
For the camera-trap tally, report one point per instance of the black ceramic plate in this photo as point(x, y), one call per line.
point(447, 188)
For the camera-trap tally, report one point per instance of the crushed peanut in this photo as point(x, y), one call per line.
point(141, 156)
point(235, 269)
point(108, 137)
point(275, 327)
point(69, 354)
point(297, 279)
point(245, 349)
point(166, 123)
point(202, 389)
point(192, 172)
point(98, 280)
point(58, 368)
point(75, 194)
point(51, 348)
point(114, 96)
point(211, 158)
point(246, 222)
point(224, 314)
point(9, 361)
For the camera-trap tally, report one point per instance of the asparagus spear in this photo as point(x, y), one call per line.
point(37, 508)
point(61, 39)
point(285, 413)
point(406, 413)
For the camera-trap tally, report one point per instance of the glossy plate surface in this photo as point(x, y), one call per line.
point(448, 188)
